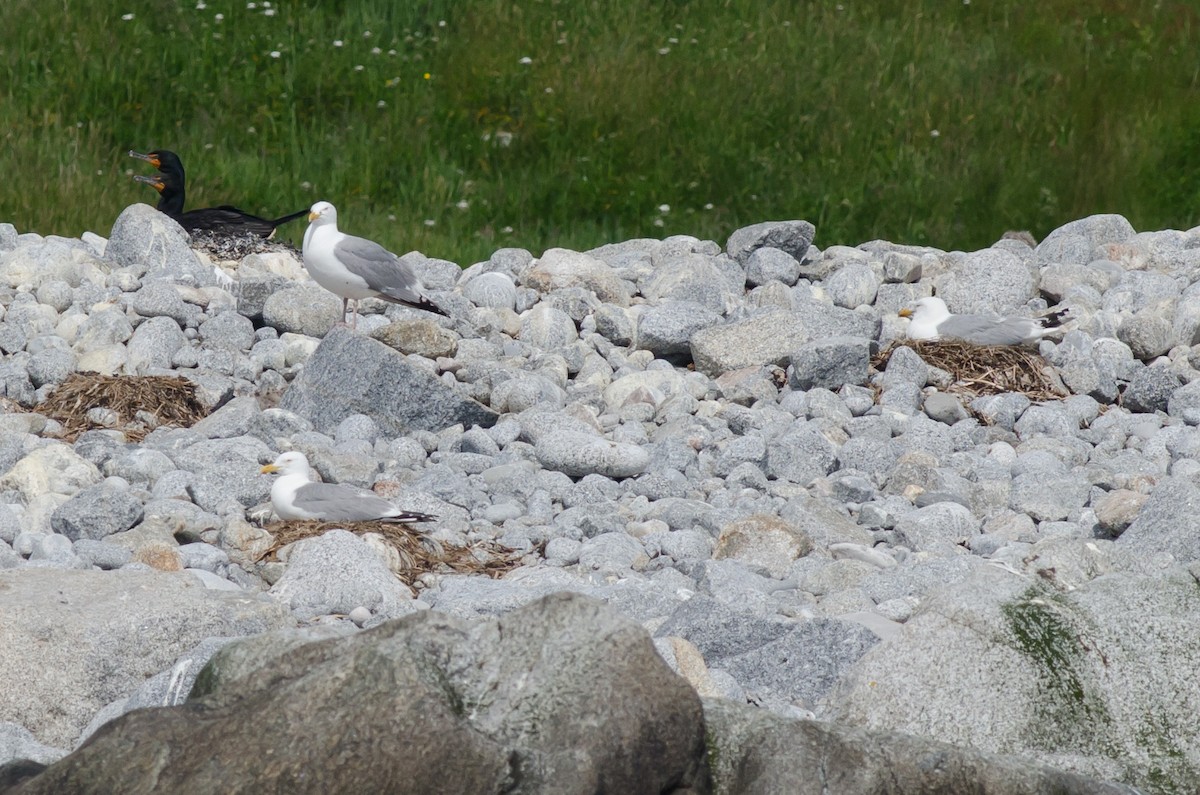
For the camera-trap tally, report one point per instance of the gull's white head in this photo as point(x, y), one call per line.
point(322, 212)
point(930, 309)
point(924, 320)
point(290, 463)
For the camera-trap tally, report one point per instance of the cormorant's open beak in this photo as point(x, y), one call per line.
point(151, 159)
point(313, 216)
point(268, 469)
point(154, 182)
point(905, 313)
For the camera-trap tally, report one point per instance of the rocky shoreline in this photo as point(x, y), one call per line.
point(691, 433)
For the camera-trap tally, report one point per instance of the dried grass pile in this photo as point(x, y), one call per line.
point(418, 553)
point(984, 369)
point(159, 399)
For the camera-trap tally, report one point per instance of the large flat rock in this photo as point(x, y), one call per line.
point(352, 374)
point(73, 641)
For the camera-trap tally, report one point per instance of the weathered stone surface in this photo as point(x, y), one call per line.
point(94, 636)
point(155, 246)
point(421, 704)
point(758, 753)
point(763, 540)
point(350, 374)
point(793, 237)
point(1097, 680)
point(560, 267)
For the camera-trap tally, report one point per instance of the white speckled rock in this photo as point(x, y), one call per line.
point(577, 454)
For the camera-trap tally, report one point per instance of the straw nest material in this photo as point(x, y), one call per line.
point(984, 369)
point(141, 403)
point(418, 552)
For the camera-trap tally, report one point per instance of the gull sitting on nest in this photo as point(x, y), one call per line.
point(356, 268)
point(932, 320)
point(295, 496)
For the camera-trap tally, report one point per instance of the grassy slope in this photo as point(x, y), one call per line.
point(933, 121)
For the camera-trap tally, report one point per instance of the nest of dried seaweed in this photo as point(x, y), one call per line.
point(418, 552)
point(984, 369)
point(141, 403)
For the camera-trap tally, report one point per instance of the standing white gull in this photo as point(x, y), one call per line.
point(295, 495)
point(357, 268)
point(932, 320)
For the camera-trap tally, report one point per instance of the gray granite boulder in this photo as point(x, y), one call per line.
point(757, 752)
point(350, 374)
point(423, 704)
point(337, 572)
point(1096, 681)
point(155, 247)
point(792, 237)
point(138, 622)
point(830, 362)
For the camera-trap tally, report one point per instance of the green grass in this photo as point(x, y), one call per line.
point(926, 122)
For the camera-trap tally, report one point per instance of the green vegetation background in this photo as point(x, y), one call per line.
point(460, 126)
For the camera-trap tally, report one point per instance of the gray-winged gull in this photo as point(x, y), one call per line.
point(932, 320)
point(357, 268)
point(294, 495)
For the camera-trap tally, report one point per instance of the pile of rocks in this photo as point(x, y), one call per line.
point(691, 434)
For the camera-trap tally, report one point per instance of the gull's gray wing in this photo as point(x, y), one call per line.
point(382, 270)
point(984, 330)
point(337, 502)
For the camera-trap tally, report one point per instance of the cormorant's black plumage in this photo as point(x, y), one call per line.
point(224, 219)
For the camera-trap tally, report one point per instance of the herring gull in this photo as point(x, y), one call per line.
point(295, 495)
point(356, 268)
point(932, 320)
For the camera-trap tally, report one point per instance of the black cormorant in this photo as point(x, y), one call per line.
point(225, 219)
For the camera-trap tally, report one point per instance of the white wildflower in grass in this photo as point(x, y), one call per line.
point(275, 53)
point(209, 146)
point(251, 6)
point(430, 222)
point(381, 104)
point(549, 90)
point(463, 204)
point(392, 53)
point(376, 51)
point(441, 23)
point(218, 17)
point(358, 67)
point(672, 40)
point(664, 208)
point(658, 222)
point(507, 230)
point(251, 130)
point(524, 61)
point(270, 12)
point(127, 17)
point(366, 34)
point(305, 185)
point(391, 217)
point(935, 134)
point(201, 5)
point(708, 206)
point(337, 42)
point(663, 50)
point(504, 137)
